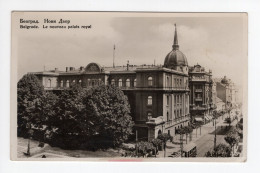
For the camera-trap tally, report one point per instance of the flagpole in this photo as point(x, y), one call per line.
point(114, 56)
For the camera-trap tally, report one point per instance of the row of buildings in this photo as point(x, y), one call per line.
point(162, 98)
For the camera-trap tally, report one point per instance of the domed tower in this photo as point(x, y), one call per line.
point(176, 59)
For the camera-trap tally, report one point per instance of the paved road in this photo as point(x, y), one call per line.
point(206, 142)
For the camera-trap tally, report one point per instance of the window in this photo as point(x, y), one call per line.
point(180, 83)
point(67, 83)
point(49, 83)
point(61, 83)
point(79, 82)
point(167, 114)
point(150, 81)
point(113, 82)
point(135, 83)
point(150, 100)
point(127, 82)
point(177, 82)
point(92, 82)
point(74, 81)
point(167, 81)
point(168, 100)
point(120, 83)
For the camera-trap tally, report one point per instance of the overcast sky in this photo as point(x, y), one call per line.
point(215, 42)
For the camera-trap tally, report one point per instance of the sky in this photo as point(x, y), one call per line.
point(215, 42)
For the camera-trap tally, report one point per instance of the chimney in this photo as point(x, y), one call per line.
point(67, 69)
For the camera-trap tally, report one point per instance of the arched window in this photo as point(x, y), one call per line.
point(150, 81)
point(127, 84)
point(113, 82)
point(49, 83)
point(120, 83)
point(135, 83)
point(67, 83)
point(79, 82)
point(61, 83)
point(150, 100)
point(73, 81)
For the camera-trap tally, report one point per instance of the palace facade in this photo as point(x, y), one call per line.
point(158, 95)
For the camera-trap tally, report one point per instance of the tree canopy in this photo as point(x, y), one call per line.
point(29, 95)
point(221, 150)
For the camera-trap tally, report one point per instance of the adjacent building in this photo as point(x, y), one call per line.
point(158, 95)
point(226, 91)
point(202, 94)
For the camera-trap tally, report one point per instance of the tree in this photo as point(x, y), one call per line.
point(156, 143)
point(232, 138)
point(107, 108)
point(145, 148)
point(29, 93)
point(221, 150)
point(187, 130)
point(68, 124)
point(164, 137)
point(228, 120)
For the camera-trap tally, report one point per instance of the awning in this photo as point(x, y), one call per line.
point(199, 119)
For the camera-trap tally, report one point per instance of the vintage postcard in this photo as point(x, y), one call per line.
point(129, 86)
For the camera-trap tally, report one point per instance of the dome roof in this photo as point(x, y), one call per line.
point(175, 57)
point(224, 80)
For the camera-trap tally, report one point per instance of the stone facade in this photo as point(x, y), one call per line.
point(201, 94)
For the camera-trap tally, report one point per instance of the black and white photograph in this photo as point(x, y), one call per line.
point(132, 86)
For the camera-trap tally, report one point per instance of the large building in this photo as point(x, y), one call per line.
point(158, 95)
point(201, 94)
point(226, 91)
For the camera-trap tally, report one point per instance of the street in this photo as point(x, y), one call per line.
point(204, 140)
